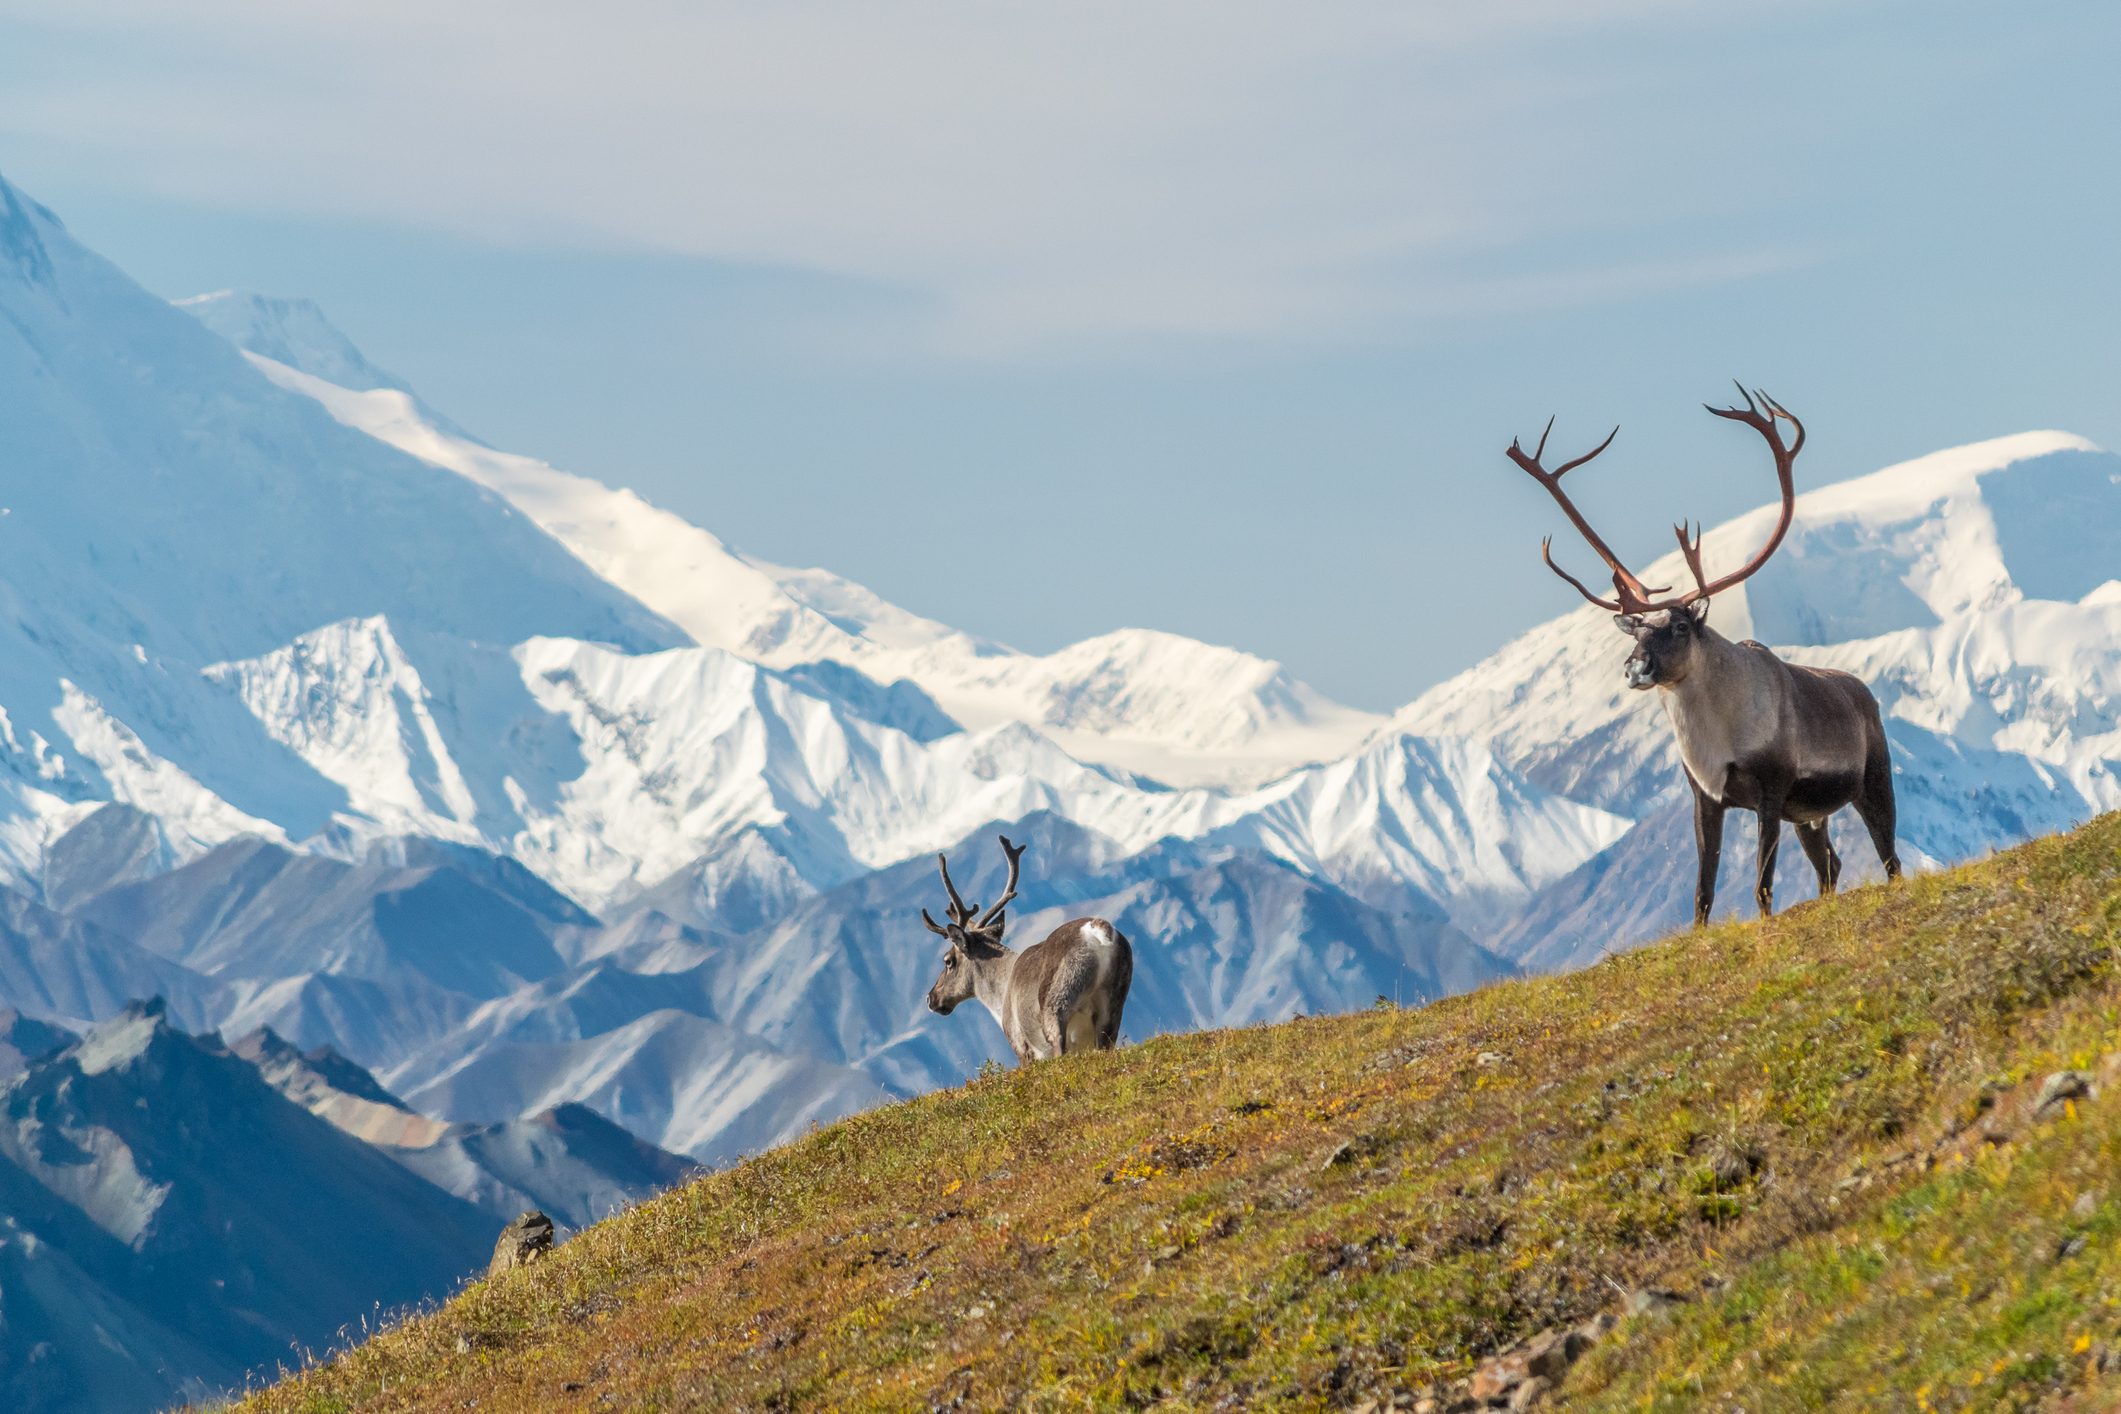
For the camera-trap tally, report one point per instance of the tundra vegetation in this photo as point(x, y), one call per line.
point(1819, 1130)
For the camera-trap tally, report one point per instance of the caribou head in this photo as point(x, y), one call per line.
point(975, 936)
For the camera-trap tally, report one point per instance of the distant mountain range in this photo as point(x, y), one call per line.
point(525, 837)
point(176, 1212)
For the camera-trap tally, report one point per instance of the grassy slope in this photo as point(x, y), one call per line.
point(1334, 1210)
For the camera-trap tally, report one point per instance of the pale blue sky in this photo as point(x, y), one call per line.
point(1046, 320)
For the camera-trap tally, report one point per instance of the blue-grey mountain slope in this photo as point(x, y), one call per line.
point(208, 1226)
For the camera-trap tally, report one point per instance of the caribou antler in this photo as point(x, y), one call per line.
point(1785, 467)
point(1632, 596)
point(989, 924)
point(992, 918)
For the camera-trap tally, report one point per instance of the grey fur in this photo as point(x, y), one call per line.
point(1790, 743)
point(1064, 994)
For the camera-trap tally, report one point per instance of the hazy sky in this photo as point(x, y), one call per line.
point(1052, 319)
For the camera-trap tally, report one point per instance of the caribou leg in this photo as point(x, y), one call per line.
point(1771, 798)
point(1820, 850)
point(1708, 844)
point(1877, 808)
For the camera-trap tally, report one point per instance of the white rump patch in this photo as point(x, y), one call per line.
point(1098, 933)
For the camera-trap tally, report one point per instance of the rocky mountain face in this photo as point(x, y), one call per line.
point(172, 1221)
point(568, 1162)
point(180, 1213)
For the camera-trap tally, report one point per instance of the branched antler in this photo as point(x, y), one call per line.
point(990, 924)
point(1631, 595)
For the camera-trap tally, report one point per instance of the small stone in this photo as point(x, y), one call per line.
point(1491, 1058)
point(1494, 1380)
point(464, 1345)
point(1343, 1154)
point(1598, 1327)
point(1733, 1163)
point(2070, 1246)
point(1531, 1392)
point(1653, 1301)
point(522, 1242)
point(1427, 1404)
point(2063, 1085)
point(1547, 1355)
point(975, 1313)
point(2085, 1206)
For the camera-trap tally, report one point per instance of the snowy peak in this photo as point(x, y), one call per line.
point(1961, 531)
point(22, 226)
point(293, 332)
point(1160, 685)
point(1446, 818)
point(1157, 704)
point(348, 701)
point(140, 451)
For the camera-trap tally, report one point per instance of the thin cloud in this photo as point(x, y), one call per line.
point(1030, 173)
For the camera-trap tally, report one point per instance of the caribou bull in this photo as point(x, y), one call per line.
point(1755, 733)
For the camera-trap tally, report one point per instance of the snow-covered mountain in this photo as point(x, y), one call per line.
point(1154, 703)
point(169, 508)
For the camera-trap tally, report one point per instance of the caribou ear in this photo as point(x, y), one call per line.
point(983, 942)
point(1700, 610)
point(1627, 623)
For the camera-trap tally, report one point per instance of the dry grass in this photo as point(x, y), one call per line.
point(1331, 1211)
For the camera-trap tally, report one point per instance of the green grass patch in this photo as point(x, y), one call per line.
point(1357, 1208)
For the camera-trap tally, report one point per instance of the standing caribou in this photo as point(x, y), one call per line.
point(1064, 994)
point(1784, 741)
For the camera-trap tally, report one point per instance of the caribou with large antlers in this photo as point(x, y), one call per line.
point(1064, 994)
point(1786, 742)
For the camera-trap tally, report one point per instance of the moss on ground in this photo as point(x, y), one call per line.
point(1781, 1120)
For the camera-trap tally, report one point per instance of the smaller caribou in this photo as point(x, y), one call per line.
point(1064, 994)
